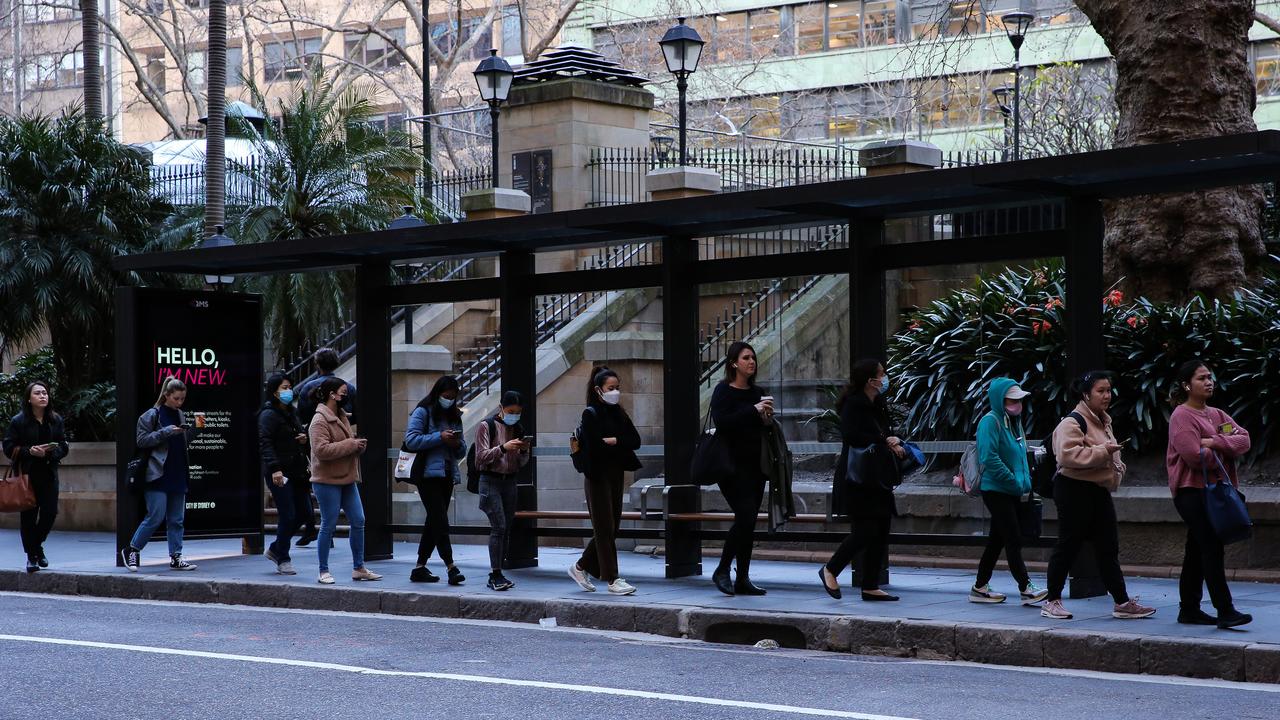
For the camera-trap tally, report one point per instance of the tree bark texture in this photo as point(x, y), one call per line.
point(215, 134)
point(1182, 72)
point(92, 59)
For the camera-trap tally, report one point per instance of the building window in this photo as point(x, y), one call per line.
point(373, 51)
point(511, 45)
point(196, 68)
point(764, 32)
point(235, 67)
point(728, 38)
point(388, 122)
point(844, 24)
point(51, 71)
point(445, 36)
point(39, 12)
point(810, 28)
point(290, 58)
point(6, 74)
point(1266, 67)
point(155, 70)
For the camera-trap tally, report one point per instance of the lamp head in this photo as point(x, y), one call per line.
point(682, 49)
point(493, 77)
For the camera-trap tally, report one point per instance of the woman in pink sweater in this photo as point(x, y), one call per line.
point(1196, 433)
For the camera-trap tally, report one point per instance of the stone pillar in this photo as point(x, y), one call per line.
point(414, 369)
point(898, 156)
point(682, 182)
point(490, 203)
point(636, 356)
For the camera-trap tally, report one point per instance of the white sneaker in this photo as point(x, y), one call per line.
point(286, 568)
point(580, 576)
point(621, 587)
point(985, 594)
point(364, 573)
point(326, 578)
point(1033, 594)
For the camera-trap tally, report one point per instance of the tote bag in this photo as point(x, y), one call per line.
point(1224, 504)
point(711, 462)
point(16, 494)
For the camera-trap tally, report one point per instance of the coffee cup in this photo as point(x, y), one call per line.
point(199, 420)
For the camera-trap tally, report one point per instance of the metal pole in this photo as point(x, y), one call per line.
point(682, 85)
point(493, 125)
point(1017, 104)
point(426, 104)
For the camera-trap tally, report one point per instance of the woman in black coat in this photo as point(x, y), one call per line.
point(740, 411)
point(609, 440)
point(864, 422)
point(282, 442)
point(37, 441)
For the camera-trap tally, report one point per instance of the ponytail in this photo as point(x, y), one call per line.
point(170, 386)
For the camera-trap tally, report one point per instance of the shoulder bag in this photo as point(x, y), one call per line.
point(16, 494)
point(1224, 503)
point(711, 462)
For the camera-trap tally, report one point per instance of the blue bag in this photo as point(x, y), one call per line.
point(1224, 504)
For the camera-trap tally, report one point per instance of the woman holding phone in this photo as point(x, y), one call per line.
point(434, 433)
point(502, 449)
point(282, 442)
point(335, 472)
point(165, 430)
point(36, 441)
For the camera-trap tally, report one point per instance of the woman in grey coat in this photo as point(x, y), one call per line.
point(164, 430)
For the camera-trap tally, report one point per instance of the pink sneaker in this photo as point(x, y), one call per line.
point(1053, 609)
point(1132, 610)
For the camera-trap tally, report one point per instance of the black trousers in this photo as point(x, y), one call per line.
point(287, 520)
point(1006, 535)
point(301, 487)
point(37, 522)
point(744, 495)
point(1085, 513)
point(1202, 561)
point(869, 535)
point(435, 494)
point(604, 503)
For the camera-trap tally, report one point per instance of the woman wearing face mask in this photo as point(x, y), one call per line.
point(282, 442)
point(435, 434)
point(610, 441)
point(865, 422)
point(1089, 470)
point(499, 458)
point(1006, 478)
point(335, 472)
point(1196, 433)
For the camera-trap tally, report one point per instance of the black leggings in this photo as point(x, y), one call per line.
point(1006, 535)
point(1085, 512)
point(37, 522)
point(1202, 561)
point(869, 535)
point(435, 494)
point(744, 494)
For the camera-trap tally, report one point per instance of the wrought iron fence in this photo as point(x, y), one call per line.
point(183, 185)
point(447, 189)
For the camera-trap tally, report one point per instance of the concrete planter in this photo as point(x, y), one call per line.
point(87, 500)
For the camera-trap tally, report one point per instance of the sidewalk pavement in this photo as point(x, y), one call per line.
point(934, 620)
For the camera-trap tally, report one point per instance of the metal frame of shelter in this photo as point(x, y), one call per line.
point(1079, 182)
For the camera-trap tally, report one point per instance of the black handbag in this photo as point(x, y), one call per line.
point(859, 465)
point(1225, 505)
point(135, 471)
point(1031, 518)
point(711, 462)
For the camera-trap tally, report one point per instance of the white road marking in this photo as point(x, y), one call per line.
point(457, 677)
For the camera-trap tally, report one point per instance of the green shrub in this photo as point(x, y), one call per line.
point(1012, 324)
point(89, 413)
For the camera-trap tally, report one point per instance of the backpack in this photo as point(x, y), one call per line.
point(576, 454)
point(473, 472)
point(969, 478)
point(1047, 469)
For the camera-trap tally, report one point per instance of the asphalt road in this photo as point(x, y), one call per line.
point(88, 658)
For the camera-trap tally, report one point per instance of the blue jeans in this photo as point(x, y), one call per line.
point(167, 508)
point(332, 499)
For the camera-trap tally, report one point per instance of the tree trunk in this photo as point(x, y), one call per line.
point(215, 135)
point(92, 60)
point(1182, 72)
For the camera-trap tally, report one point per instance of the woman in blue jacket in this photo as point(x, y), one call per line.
point(435, 434)
point(1006, 478)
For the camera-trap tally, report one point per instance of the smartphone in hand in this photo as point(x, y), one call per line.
point(528, 440)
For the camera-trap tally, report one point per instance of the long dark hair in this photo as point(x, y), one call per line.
point(326, 387)
point(28, 411)
point(274, 381)
point(859, 375)
point(1186, 371)
point(599, 375)
point(1082, 386)
point(431, 403)
point(731, 357)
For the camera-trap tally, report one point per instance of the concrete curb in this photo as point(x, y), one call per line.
point(931, 640)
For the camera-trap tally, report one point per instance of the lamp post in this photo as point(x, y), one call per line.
point(1001, 95)
point(1016, 25)
point(493, 77)
point(682, 48)
point(218, 282)
point(661, 145)
point(404, 222)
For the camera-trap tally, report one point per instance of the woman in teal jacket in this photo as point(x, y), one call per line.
point(1006, 478)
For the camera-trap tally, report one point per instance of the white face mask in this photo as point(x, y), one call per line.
point(612, 397)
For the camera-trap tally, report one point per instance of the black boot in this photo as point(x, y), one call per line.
point(744, 586)
point(722, 581)
point(1195, 616)
point(1233, 618)
point(422, 574)
point(307, 538)
point(41, 560)
point(455, 576)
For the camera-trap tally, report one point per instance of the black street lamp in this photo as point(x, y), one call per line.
point(404, 222)
point(682, 48)
point(1016, 25)
point(1001, 95)
point(493, 76)
point(218, 282)
point(661, 145)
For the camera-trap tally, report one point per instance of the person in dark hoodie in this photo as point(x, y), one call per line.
point(1006, 479)
point(36, 442)
point(610, 441)
point(282, 442)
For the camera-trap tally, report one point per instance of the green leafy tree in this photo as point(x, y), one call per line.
point(323, 168)
point(71, 199)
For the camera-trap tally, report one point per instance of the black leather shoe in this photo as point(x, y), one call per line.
point(422, 574)
point(1195, 616)
point(32, 565)
point(723, 583)
point(1235, 618)
point(306, 539)
point(871, 597)
point(455, 576)
point(744, 586)
point(42, 561)
point(822, 578)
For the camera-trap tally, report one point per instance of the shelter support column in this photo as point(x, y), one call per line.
point(681, 372)
point(520, 373)
point(373, 409)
